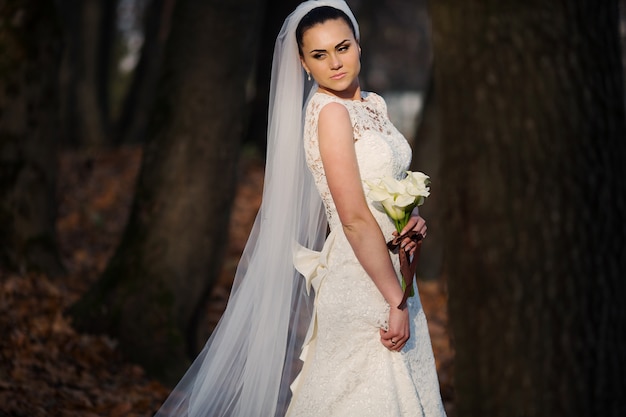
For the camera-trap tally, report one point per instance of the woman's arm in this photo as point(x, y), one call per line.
point(336, 143)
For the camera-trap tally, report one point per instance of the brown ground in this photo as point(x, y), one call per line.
point(48, 369)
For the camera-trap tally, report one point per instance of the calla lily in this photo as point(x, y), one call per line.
point(416, 184)
point(392, 210)
point(405, 200)
point(393, 185)
point(399, 197)
point(378, 192)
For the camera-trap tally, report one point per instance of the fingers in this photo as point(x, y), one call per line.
point(410, 246)
point(418, 224)
point(413, 221)
point(393, 343)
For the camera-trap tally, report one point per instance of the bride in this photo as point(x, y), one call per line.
point(332, 299)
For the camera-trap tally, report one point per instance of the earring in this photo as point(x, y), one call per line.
point(308, 75)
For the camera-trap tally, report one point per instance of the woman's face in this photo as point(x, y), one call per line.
point(332, 55)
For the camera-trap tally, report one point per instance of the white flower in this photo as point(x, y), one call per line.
point(399, 197)
point(395, 212)
point(416, 184)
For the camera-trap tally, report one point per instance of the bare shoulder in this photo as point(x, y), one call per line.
point(333, 113)
point(334, 110)
point(334, 123)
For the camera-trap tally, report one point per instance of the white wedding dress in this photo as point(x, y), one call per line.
point(347, 372)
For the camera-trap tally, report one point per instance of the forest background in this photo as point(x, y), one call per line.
point(132, 146)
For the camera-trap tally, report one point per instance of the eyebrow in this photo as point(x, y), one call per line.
point(324, 50)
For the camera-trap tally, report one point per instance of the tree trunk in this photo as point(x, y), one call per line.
point(278, 10)
point(426, 158)
point(133, 119)
point(103, 59)
point(150, 294)
point(30, 45)
point(83, 115)
point(532, 105)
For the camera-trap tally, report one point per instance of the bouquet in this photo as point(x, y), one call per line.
point(398, 199)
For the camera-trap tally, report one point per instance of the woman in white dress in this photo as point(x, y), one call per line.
point(358, 359)
point(332, 299)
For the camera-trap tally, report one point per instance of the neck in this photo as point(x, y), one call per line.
point(347, 94)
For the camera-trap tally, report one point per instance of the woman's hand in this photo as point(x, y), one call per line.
point(417, 223)
point(396, 337)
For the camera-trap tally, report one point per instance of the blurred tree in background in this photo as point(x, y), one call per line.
point(152, 293)
point(113, 51)
point(87, 27)
point(531, 104)
point(145, 26)
point(30, 54)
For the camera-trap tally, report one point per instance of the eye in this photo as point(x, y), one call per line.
point(318, 56)
point(343, 48)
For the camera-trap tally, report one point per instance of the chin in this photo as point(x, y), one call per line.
point(341, 89)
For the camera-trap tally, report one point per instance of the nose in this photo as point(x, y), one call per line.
point(336, 62)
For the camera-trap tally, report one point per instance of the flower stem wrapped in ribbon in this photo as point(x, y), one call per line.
point(398, 198)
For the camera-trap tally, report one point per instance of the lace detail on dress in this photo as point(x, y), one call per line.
point(381, 149)
point(347, 372)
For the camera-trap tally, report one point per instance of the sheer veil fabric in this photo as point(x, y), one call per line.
point(248, 363)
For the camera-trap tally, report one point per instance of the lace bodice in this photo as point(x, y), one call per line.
point(381, 149)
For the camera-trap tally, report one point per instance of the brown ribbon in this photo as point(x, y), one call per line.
point(407, 267)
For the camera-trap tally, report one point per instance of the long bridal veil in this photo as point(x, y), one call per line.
point(249, 361)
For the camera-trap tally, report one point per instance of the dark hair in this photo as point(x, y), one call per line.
point(318, 16)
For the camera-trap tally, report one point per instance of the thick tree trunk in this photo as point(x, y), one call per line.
point(29, 61)
point(426, 158)
point(531, 102)
point(148, 298)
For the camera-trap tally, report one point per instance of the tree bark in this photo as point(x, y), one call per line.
point(104, 58)
point(84, 116)
point(277, 11)
point(149, 296)
point(133, 119)
point(30, 41)
point(531, 99)
point(426, 158)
